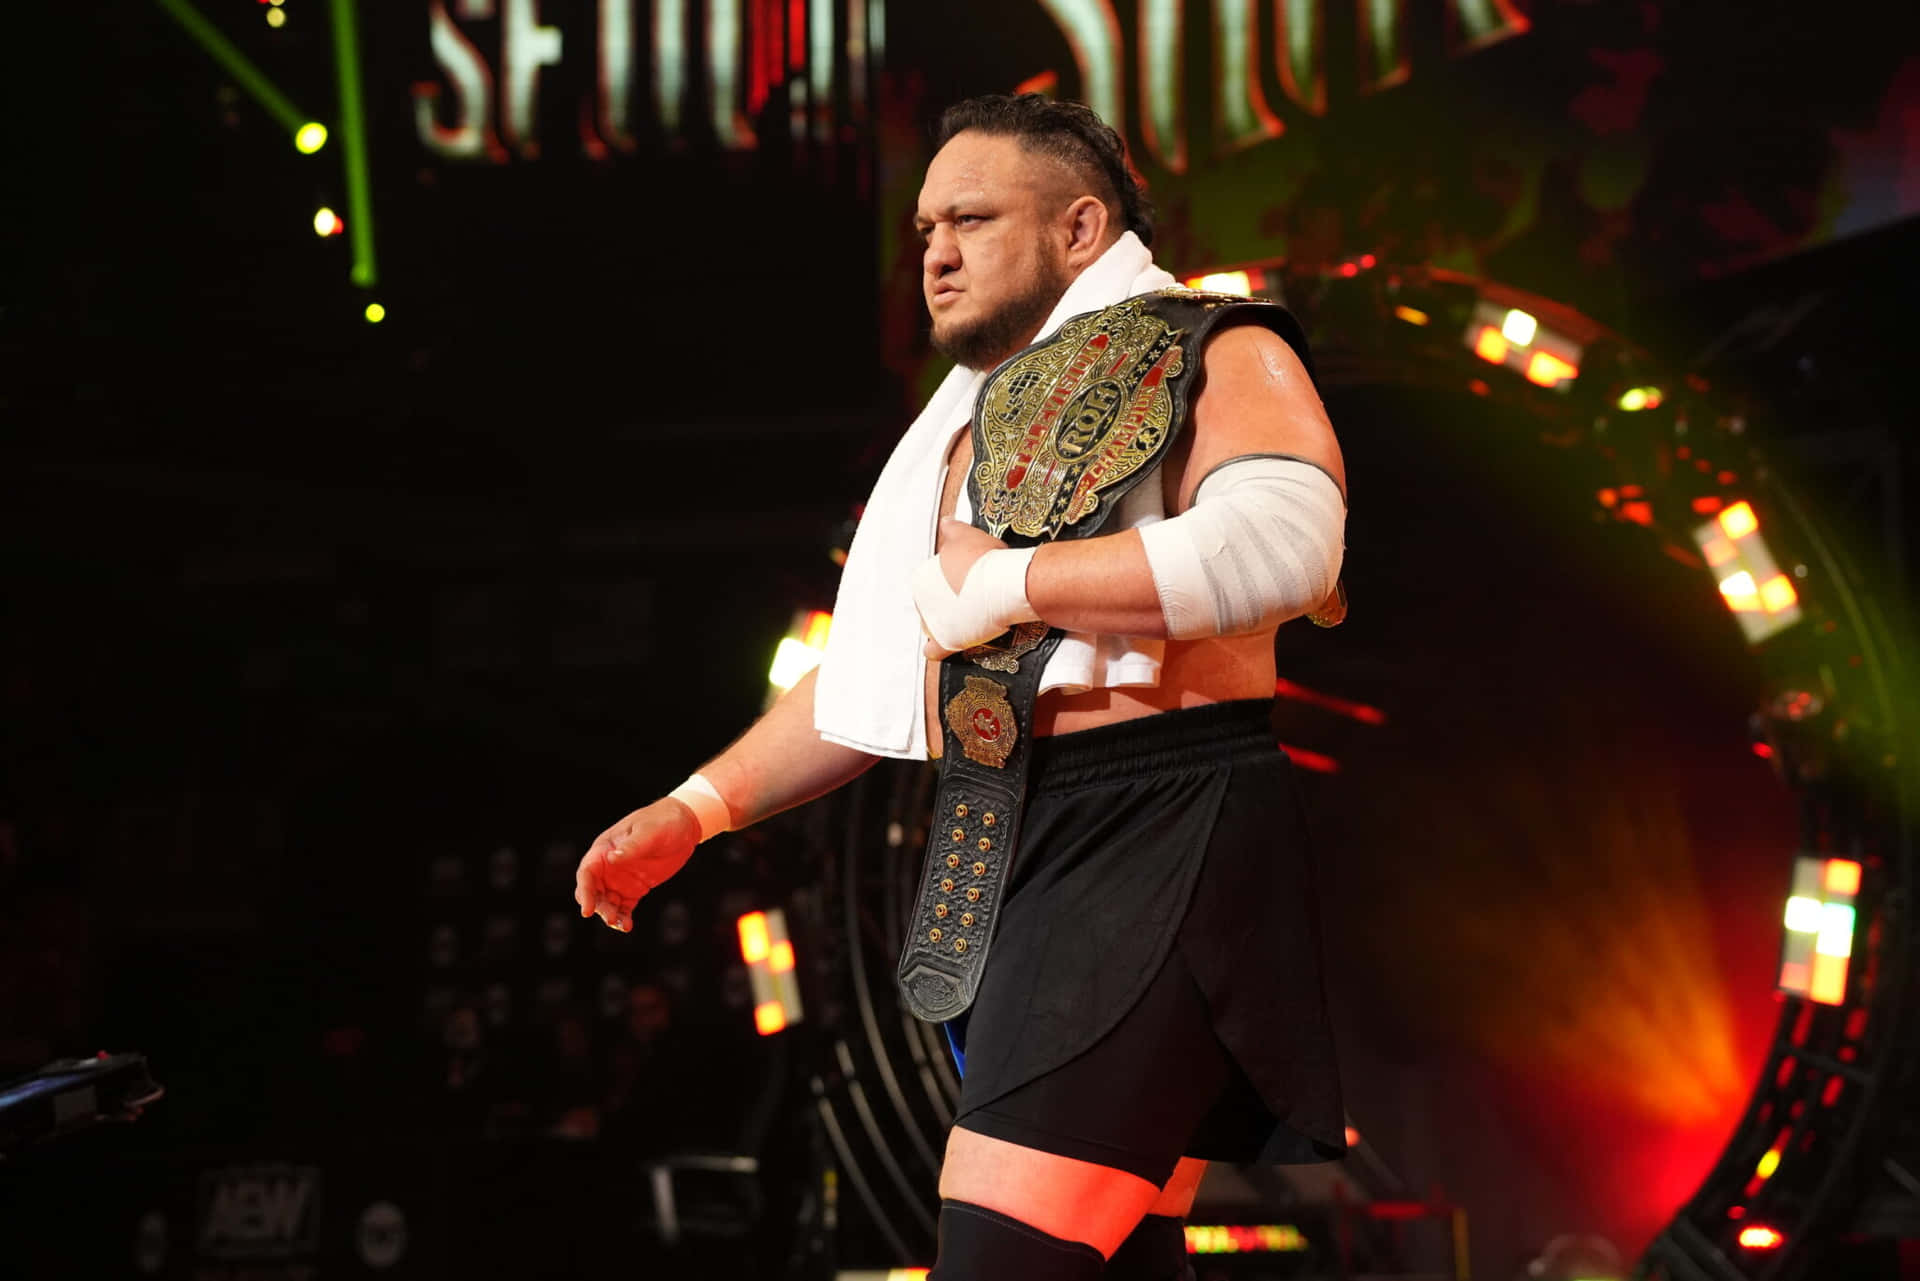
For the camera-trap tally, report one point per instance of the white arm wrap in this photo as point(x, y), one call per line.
point(993, 598)
point(708, 806)
point(1262, 543)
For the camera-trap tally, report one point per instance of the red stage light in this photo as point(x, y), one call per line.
point(1759, 1237)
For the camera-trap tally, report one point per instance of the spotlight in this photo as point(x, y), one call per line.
point(1820, 920)
point(1224, 282)
point(1519, 327)
point(276, 18)
point(1760, 596)
point(311, 136)
point(375, 313)
point(1638, 398)
point(800, 650)
point(768, 952)
point(1759, 1237)
point(325, 221)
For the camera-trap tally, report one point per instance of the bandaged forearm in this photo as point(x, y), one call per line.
point(1262, 543)
point(992, 599)
point(710, 809)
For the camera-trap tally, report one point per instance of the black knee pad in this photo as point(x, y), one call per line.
point(978, 1244)
point(1154, 1251)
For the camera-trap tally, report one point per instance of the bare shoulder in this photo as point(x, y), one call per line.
point(1256, 398)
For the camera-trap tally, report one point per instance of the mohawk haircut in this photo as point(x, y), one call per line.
point(1067, 132)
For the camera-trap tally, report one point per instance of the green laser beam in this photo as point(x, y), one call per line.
point(353, 129)
point(249, 77)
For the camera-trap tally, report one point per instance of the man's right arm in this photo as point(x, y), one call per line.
point(780, 762)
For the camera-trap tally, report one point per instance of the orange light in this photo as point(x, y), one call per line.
point(1412, 315)
point(1223, 282)
point(1738, 520)
point(1760, 1238)
point(769, 1018)
point(753, 937)
point(819, 623)
point(1843, 876)
point(780, 957)
point(1640, 513)
point(1353, 1137)
point(1794, 976)
point(1608, 497)
point(1719, 552)
point(1491, 345)
point(1829, 985)
point(1777, 594)
point(1549, 370)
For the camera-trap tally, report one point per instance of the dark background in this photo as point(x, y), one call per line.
point(306, 618)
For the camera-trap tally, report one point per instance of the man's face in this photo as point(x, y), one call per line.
point(990, 214)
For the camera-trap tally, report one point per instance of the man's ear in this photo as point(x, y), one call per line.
point(1086, 223)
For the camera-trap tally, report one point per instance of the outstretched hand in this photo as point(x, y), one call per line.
point(631, 858)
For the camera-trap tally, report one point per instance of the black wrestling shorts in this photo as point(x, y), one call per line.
point(1155, 985)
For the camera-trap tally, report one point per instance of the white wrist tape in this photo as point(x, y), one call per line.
point(1262, 543)
point(993, 598)
point(708, 806)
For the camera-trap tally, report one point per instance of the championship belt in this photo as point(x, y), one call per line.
point(1061, 432)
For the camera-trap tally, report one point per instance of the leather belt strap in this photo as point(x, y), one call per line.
point(987, 734)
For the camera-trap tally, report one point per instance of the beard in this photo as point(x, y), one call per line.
point(990, 339)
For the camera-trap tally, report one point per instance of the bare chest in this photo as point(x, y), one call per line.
point(959, 462)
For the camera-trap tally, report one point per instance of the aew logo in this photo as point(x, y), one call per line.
point(259, 1211)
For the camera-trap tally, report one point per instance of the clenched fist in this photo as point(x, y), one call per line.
point(633, 856)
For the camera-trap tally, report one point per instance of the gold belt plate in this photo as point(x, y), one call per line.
point(1065, 421)
point(982, 719)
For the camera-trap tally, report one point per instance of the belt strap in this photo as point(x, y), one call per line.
point(986, 703)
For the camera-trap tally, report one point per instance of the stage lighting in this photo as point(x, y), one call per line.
point(375, 313)
point(1636, 399)
point(1412, 315)
point(1820, 920)
point(1760, 596)
point(1759, 1237)
point(310, 137)
point(1520, 341)
point(1244, 1238)
point(276, 17)
point(768, 952)
point(325, 221)
point(1225, 282)
point(799, 651)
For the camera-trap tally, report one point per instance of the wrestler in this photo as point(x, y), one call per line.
point(1154, 996)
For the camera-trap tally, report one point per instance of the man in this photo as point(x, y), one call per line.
point(1154, 995)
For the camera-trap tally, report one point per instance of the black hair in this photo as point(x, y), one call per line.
point(1068, 132)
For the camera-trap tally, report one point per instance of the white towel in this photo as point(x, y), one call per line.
point(870, 693)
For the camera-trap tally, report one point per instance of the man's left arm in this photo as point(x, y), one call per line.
point(1256, 401)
